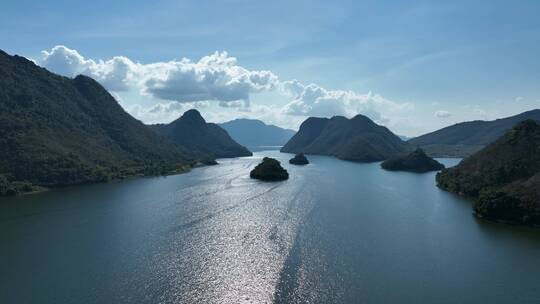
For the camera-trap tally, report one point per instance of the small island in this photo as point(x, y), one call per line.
point(269, 170)
point(417, 161)
point(299, 159)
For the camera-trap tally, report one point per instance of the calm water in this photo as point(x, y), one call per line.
point(336, 232)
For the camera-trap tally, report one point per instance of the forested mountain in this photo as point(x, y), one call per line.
point(503, 178)
point(58, 131)
point(355, 139)
point(465, 138)
point(193, 132)
point(255, 133)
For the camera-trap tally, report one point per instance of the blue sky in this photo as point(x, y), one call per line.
point(427, 64)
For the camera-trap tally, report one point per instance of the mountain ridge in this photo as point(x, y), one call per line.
point(57, 131)
point(191, 131)
point(356, 139)
point(465, 138)
point(503, 178)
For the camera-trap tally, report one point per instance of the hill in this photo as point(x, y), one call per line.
point(416, 161)
point(355, 139)
point(193, 132)
point(466, 138)
point(503, 178)
point(57, 131)
point(255, 133)
point(269, 169)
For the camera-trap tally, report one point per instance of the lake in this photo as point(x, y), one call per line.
point(335, 232)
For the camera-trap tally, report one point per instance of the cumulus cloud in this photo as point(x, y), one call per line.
point(114, 74)
point(214, 77)
point(169, 88)
point(442, 114)
point(313, 100)
point(519, 98)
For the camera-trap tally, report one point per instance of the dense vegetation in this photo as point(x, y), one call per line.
point(416, 161)
point(464, 139)
point(57, 131)
point(269, 169)
point(503, 178)
point(192, 132)
point(299, 159)
point(355, 139)
point(255, 133)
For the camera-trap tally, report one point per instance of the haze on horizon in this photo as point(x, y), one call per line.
point(414, 66)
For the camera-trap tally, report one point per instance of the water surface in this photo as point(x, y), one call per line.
point(335, 232)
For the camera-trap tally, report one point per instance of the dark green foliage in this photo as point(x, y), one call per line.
point(299, 159)
point(255, 133)
point(57, 131)
point(356, 139)
point(9, 187)
point(416, 161)
point(504, 177)
point(467, 138)
point(192, 132)
point(269, 170)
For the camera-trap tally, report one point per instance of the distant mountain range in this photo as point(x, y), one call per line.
point(255, 133)
point(59, 131)
point(466, 138)
point(355, 139)
point(503, 178)
point(194, 133)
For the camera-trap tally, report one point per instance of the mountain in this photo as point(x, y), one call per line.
point(58, 131)
point(416, 161)
point(466, 138)
point(503, 178)
point(355, 139)
point(255, 133)
point(193, 132)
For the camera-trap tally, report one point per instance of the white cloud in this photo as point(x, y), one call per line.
point(164, 90)
point(519, 98)
point(313, 100)
point(163, 112)
point(442, 114)
point(214, 77)
point(114, 74)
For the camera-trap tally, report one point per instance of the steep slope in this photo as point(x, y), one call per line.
point(255, 133)
point(355, 139)
point(59, 131)
point(465, 138)
point(503, 178)
point(192, 132)
point(416, 161)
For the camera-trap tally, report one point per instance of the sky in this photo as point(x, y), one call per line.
point(413, 66)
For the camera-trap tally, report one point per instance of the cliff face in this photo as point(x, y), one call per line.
point(355, 139)
point(58, 131)
point(194, 133)
point(503, 178)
